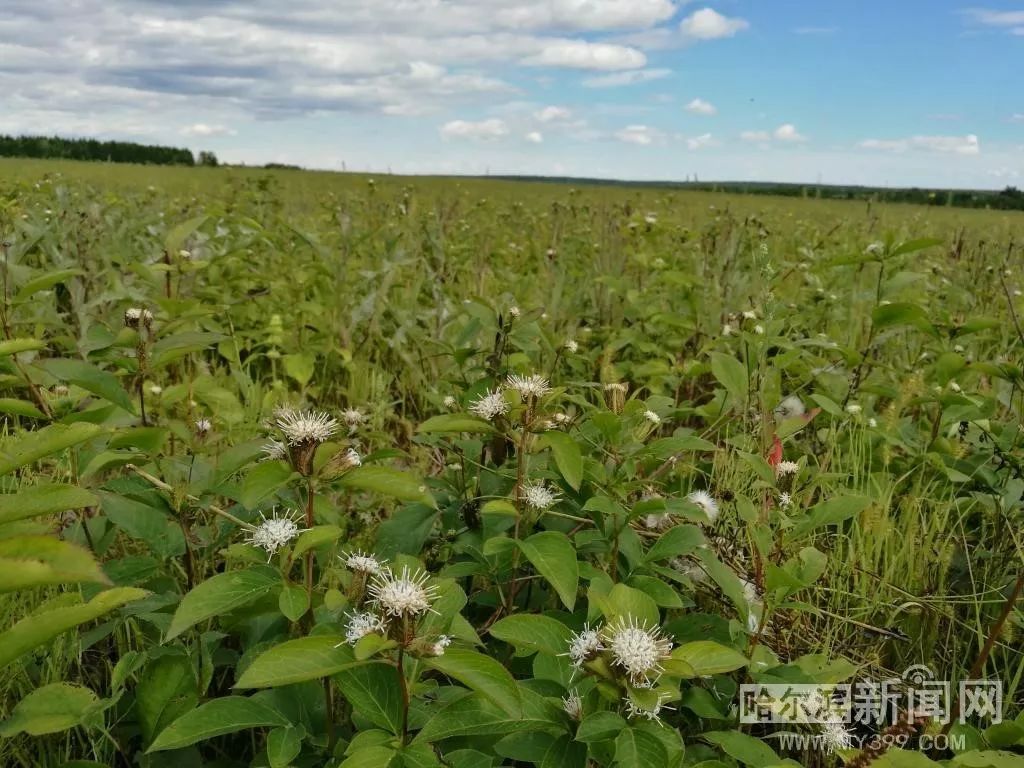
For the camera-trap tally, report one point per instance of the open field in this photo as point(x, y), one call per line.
point(785, 432)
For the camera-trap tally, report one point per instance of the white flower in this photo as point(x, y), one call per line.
point(954, 386)
point(786, 468)
point(658, 521)
point(727, 330)
point(573, 705)
point(637, 649)
point(361, 562)
point(275, 532)
point(155, 389)
point(750, 315)
point(406, 594)
point(635, 710)
point(875, 247)
point(706, 502)
point(540, 496)
point(650, 218)
point(362, 624)
point(759, 330)
point(490, 405)
point(305, 426)
point(528, 386)
point(439, 646)
point(203, 426)
point(853, 409)
point(652, 417)
point(515, 311)
point(835, 735)
point(274, 450)
point(785, 501)
point(450, 402)
point(353, 418)
point(584, 645)
point(872, 422)
point(352, 458)
point(571, 346)
point(790, 408)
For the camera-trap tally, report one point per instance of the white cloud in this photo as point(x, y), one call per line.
point(758, 137)
point(708, 24)
point(585, 14)
point(1017, 118)
point(787, 132)
point(552, 114)
point(699, 142)
point(480, 131)
point(638, 134)
point(627, 78)
point(202, 129)
point(701, 107)
point(535, 137)
point(992, 18)
point(581, 54)
point(960, 145)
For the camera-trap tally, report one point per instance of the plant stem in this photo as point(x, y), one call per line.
point(405, 693)
point(309, 553)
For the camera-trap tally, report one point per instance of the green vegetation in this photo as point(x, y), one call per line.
point(746, 439)
point(56, 147)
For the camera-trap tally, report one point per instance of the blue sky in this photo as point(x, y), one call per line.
point(923, 92)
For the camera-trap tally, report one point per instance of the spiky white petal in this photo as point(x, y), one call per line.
point(361, 562)
point(786, 468)
point(785, 501)
point(584, 645)
point(532, 385)
point(490, 405)
point(305, 426)
point(652, 417)
point(706, 502)
point(571, 346)
point(637, 649)
point(274, 450)
point(573, 705)
point(353, 418)
point(539, 496)
point(836, 735)
point(654, 713)
point(203, 426)
point(404, 594)
point(362, 624)
point(450, 402)
point(275, 532)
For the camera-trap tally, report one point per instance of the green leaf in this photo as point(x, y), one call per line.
point(481, 673)
point(533, 632)
point(14, 346)
point(909, 246)
point(389, 482)
point(16, 407)
point(731, 374)
point(315, 537)
point(746, 749)
point(44, 500)
point(295, 661)
point(146, 522)
point(637, 749)
point(456, 422)
point(707, 657)
point(90, 378)
point(829, 512)
point(167, 689)
point(902, 313)
point(177, 236)
point(30, 447)
point(44, 281)
point(554, 557)
point(284, 745)
point(50, 709)
point(600, 726)
point(171, 348)
point(375, 692)
point(475, 715)
point(36, 630)
point(266, 478)
point(300, 366)
point(565, 753)
point(215, 718)
point(675, 542)
point(32, 561)
point(371, 757)
point(293, 602)
point(220, 594)
point(726, 579)
point(568, 457)
point(625, 602)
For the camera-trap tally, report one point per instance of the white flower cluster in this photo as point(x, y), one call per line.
point(490, 405)
point(275, 532)
point(362, 624)
point(706, 502)
point(637, 649)
point(361, 562)
point(528, 386)
point(299, 427)
point(539, 496)
point(406, 594)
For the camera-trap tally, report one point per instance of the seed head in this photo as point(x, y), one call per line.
point(652, 417)
point(450, 402)
point(786, 468)
point(571, 346)
point(353, 418)
point(706, 502)
point(203, 426)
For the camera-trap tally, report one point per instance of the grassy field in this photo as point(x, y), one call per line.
point(842, 379)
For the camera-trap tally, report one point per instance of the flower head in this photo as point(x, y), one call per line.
point(836, 735)
point(658, 521)
point(706, 502)
point(439, 645)
point(652, 417)
point(274, 532)
point(353, 418)
point(301, 427)
point(571, 346)
point(402, 595)
point(362, 624)
point(637, 649)
point(274, 450)
point(653, 713)
point(514, 311)
point(450, 402)
point(530, 386)
point(362, 563)
point(584, 645)
point(573, 705)
point(786, 468)
point(490, 405)
point(785, 501)
point(539, 496)
point(203, 426)
point(853, 409)
point(790, 408)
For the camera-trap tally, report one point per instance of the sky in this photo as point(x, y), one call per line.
point(877, 92)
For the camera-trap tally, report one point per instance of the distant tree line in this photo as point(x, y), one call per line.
point(101, 151)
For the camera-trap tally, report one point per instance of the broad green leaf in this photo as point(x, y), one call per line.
point(263, 480)
point(475, 715)
point(32, 561)
point(171, 348)
point(600, 726)
point(627, 603)
point(675, 542)
point(726, 579)
point(455, 422)
point(293, 602)
point(732, 375)
point(533, 632)
point(32, 446)
point(910, 246)
point(829, 512)
point(16, 407)
point(284, 745)
point(38, 629)
point(482, 674)
point(220, 594)
point(638, 749)
point(388, 482)
point(10, 347)
point(44, 500)
point(50, 709)
point(565, 753)
point(90, 378)
point(215, 718)
point(568, 457)
point(375, 692)
point(372, 757)
point(295, 661)
point(746, 749)
point(145, 522)
point(43, 282)
point(315, 537)
point(300, 366)
point(707, 657)
point(554, 557)
point(902, 313)
point(177, 236)
point(167, 689)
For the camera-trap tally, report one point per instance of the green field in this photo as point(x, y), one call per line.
point(840, 383)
